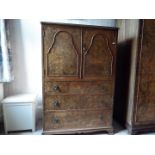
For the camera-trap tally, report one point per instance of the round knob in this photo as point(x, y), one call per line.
point(84, 48)
point(56, 88)
point(56, 104)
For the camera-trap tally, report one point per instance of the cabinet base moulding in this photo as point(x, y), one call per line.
point(139, 129)
point(110, 131)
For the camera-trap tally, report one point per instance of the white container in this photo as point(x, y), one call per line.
point(19, 112)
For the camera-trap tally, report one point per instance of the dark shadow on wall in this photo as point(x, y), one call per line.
point(122, 81)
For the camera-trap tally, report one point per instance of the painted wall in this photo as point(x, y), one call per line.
point(1, 91)
point(26, 45)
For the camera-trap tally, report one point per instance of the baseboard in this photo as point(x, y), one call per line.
point(140, 129)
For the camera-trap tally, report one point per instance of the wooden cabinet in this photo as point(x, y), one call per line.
point(78, 78)
point(141, 98)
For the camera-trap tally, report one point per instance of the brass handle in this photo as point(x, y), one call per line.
point(56, 88)
point(56, 104)
point(84, 48)
point(55, 120)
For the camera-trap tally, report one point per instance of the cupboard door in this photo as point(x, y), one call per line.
point(61, 45)
point(147, 64)
point(146, 100)
point(98, 52)
point(145, 107)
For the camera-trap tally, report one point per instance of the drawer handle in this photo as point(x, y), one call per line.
point(56, 88)
point(56, 104)
point(55, 120)
point(84, 48)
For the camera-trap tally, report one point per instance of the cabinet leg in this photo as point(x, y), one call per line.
point(131, 131)
point(111, 132)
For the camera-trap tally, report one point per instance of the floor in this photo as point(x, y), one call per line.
point(28, 132)
point(119, 131)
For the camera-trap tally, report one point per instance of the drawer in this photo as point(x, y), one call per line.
point(68, 102)
point(92, 87)
point(75, 119)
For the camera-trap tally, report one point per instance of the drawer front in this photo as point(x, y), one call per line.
point(77, 119)
point(78, 87)
point(68, 102)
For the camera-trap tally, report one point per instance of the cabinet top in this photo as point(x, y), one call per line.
point(80, 25)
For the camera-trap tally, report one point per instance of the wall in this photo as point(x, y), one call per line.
point(1, 91)
point(26, 45)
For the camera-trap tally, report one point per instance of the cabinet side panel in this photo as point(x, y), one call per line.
point(145, 107)
point(133, 32)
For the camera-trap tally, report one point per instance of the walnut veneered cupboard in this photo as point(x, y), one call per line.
point(141, 98)
point(78, 78)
